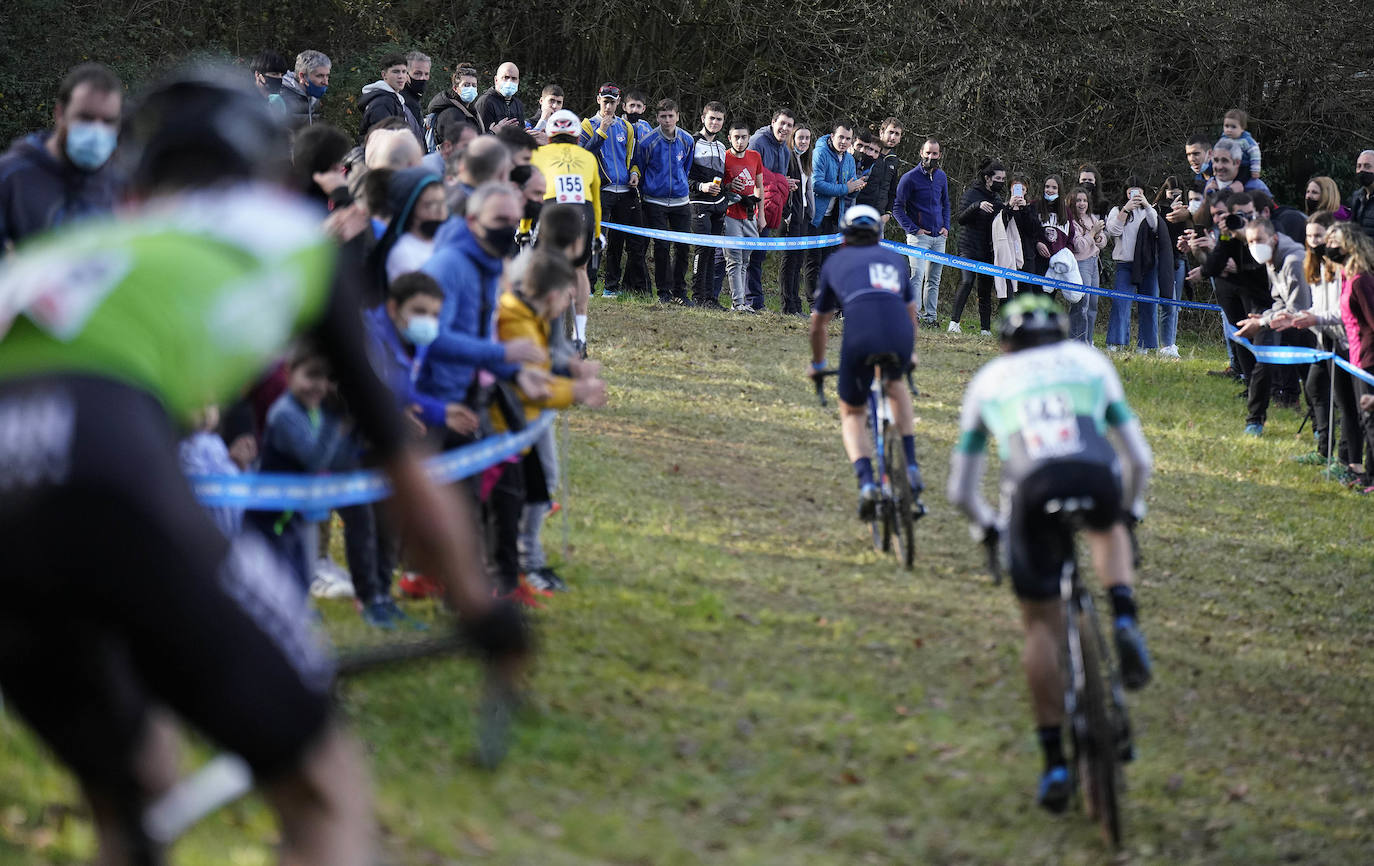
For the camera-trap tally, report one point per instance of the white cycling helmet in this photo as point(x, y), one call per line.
point(563, 122)
point(861, 218)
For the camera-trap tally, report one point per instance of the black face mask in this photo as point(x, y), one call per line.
point(427, 229)
point(930, 163)
point(1089, 186)
point(1366, 178)
point(1337, 256)
point(532, 209)
point(272, 84)
point(634, 118)
point(501, 240)
point(1319, 250)
point(1312, 204)
point(416, 88)
point(998, 185)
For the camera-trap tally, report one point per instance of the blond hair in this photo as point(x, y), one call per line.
point(1358, 246)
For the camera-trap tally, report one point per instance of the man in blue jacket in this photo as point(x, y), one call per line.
point(922, 210)
point(612, 141)
point(468, 259)
point(663, 159)
point(773, 145)
point(836, 180)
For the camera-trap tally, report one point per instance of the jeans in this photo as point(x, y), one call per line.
point(967, 279)
point(737, 261)
point(830, 223)
point(706, 220)
point(671, 283)
point(1119, 322)
point(623, 208)
point(756, 258)
point(1168, 313)
point(796, 266)
point(1083, 313)
point(925, 275)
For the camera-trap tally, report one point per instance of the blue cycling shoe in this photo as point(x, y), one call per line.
point(1134, 657)
point(868, 502)
point(1054, 790)
point(913, 477)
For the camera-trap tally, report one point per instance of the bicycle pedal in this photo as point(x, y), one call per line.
point(919, 510)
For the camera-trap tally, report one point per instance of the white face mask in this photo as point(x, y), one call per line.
point(1262, 253)
point(1051, 196)
point(1194, 206)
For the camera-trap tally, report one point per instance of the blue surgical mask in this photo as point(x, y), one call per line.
point(468, 94)
point(422, 330)
point(1051, 196)
point(316, 90)
point(89, 145)
point(507, 89)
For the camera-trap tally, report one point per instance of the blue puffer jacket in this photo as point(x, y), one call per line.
point(470, 278)
point(397, 367)
point(663, 166)
point(832, 172)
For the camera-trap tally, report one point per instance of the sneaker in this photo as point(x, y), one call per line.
point(415, 585)
point(954, 328)
point(550, 579)
point(330, 581)
point(1113, 349)
point(1054, 790)
point(743, 308)
point(523, 596)
point(913, 477)
point(395, 615)
point(1130, 650)
point(985, 333)
point(1169, 352)
point(1229, 372)
point(607, 293)
point(580, 347)
point(868, 502)
point(537, 583)
point(1255, 430)
point(378, 615)
point(1142, 351)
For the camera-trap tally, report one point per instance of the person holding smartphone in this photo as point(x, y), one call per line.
point(1131, 224)
point(1021, 212)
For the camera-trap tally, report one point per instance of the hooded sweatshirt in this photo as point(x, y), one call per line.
point(378, 102)
point(38, 192)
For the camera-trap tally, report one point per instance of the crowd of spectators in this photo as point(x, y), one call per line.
point(473, 227)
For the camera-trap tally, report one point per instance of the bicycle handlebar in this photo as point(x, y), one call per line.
point(818, 377)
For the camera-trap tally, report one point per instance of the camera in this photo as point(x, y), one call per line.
point(1236, 221)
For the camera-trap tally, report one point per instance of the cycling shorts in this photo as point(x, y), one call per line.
point(121, 594)
point(872, 326)
point(1036, 547)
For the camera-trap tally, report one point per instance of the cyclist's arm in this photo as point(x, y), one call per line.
point(967, 464)
point(1134, 450)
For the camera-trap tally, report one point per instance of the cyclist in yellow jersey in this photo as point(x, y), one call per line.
point(573, 177)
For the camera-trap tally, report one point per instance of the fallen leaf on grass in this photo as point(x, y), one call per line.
point(849, 777)
point(1237, 793)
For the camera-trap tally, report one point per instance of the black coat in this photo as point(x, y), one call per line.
point(975, 234)
point(881, 190)
point(447, 104)
point(492, 108)
point(378, 105)
point(1362, 211)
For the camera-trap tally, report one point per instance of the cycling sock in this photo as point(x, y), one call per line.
point(580, 327)
point(863, 468)
point(909, 448)
point(1123, 601)
point(1052, 744)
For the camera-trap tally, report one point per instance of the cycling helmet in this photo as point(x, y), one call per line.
point(203, 126)
point(1032, 319)
point(859, 219)
point(563, 122)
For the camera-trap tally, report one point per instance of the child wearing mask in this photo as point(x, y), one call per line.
point(413, 202)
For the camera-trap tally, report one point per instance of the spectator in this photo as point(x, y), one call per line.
point(550, 101)
point(1197, 243)
point(1283, 260)
point(981, 203)
point(612, 140)
point(1088, 240)
point(708, 202)
point(1325, 322)
point(317, 165)
point(662, 158)
point(533, 187)
point(771, 144)
point(921, 206)
point(1322, 194)
point(268, 69)
point(836, 179)
point(413, 202)
point(48, 179)
point(574, 177)
point(885, 172)
point(451, 133)
point(499, 106)
point(1052, 211)
point(1233, 126)
point(1352, 253)
point(1091, 179)
point(203, 452)
point(636, 104)
point(1361, 210)
point(418, 66)
point(484, 160)
point(302, 91)
point(518, 142)
point(1197, 150)
point(744, 179)
point(393, 146)
point(1168, 203)
point(1135, 226)
point(456, 102)
point(801, 207)
point(1030, 236)
point(1226, 162)
point(382, 99)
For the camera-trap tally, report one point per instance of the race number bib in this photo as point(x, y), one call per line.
point(1049, 426)
point(570, 189)
point(885, 277)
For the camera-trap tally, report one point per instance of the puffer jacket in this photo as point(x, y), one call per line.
point(832, 173)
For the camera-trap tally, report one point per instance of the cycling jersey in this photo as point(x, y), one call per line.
point(872, 286)
point(573, 176)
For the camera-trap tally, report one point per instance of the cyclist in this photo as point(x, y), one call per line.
point(1049, 403)
point(870, 284)
point(110, 335)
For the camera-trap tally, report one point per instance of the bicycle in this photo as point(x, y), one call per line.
point(898, 509)
point(1100, 729)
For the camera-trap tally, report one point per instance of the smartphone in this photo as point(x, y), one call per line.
point(1018, 189)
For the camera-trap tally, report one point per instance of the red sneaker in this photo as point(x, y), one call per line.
point(555, 507)
point(415, 585)
point(522, 595)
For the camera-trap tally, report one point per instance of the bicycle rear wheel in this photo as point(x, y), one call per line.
point(1098, 765)
point(903, 504)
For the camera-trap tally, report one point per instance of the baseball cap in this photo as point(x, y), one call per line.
point(608, 89)
point(563, 122)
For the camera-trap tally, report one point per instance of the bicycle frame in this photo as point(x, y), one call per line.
point(879, 416)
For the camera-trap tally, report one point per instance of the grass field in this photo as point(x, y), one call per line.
point(737, 678)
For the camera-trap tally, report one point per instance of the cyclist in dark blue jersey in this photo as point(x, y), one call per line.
point(871, 286)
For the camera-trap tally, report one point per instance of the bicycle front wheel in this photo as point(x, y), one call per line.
point(902, 512)
point(1098, 764)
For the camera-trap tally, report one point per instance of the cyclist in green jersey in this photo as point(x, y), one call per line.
point(1050, 403)
point(111, 335)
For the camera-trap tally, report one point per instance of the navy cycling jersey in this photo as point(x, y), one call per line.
point(862, 272)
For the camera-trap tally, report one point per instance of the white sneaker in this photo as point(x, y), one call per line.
point(330, 580)
point(1169, 352)
point(1142, 352)
point(985, 333)
point(954, 328)
point(1113, 349)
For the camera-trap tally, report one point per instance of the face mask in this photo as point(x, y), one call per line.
point(1311, 204)
point(427, 229)
point(501, 240)
point(930, 163)
point(1194, 206)
point(271, 84)
point(1089, 186)
point(316, 90)
point(1337, 256)
point(1365, 177)
point(89, 145)
point(532, 209)
point(1051, 196)
point(422, 330)
point(416, 88)
point(1319, 250)
point(998, 185)
point(634, 118)
point(1262, 253)
point(507, 89)
point(467, 94)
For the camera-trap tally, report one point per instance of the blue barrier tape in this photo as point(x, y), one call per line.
point(1354, 371)
point(1294, 355)
point(282, 492)
point(729, 243)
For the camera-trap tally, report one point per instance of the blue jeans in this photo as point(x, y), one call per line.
point(1083, 315)
point(925, 274)
point(1119, 323)
point(1168, 313)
